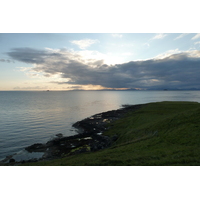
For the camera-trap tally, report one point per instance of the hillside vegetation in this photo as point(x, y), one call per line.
point(163, 133)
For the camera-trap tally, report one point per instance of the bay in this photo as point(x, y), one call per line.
point(28, 117)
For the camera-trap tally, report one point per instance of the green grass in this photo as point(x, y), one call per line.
point(163, 133)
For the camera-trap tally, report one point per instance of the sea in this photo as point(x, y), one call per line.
point(28, 117)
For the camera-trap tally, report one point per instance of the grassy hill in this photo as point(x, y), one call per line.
point(163, 133)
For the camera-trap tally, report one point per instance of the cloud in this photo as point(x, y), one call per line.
point(5, 60)
point(83, 44)
point(181, 36)
point(196, 36)
point(172, 70)
point(197, 43)
point(167, 53)
point(30, 88)
point(29, 55)
point(159, 36)
point(117, 35)
point(146, 45)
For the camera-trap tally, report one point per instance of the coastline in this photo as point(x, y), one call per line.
point(89, 138)
point(153, 134)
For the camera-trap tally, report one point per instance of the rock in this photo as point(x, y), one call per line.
point(38, 147)
point(59, 135)
point(11, 160)
point(89, 137)
point(114, 138)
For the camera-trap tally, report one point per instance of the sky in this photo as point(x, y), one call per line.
point(96, 61)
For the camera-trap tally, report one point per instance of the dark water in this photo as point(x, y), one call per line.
point(30, 117)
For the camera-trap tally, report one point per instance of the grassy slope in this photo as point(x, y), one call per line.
point(164, 133)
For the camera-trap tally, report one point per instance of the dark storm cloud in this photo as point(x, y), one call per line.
point(29, 55)
point(177, 71)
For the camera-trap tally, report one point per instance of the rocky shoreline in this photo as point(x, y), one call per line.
point(88, 139)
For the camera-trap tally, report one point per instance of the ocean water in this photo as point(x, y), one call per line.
point(35, 117)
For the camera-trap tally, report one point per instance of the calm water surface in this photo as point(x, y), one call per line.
point(35, 117)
